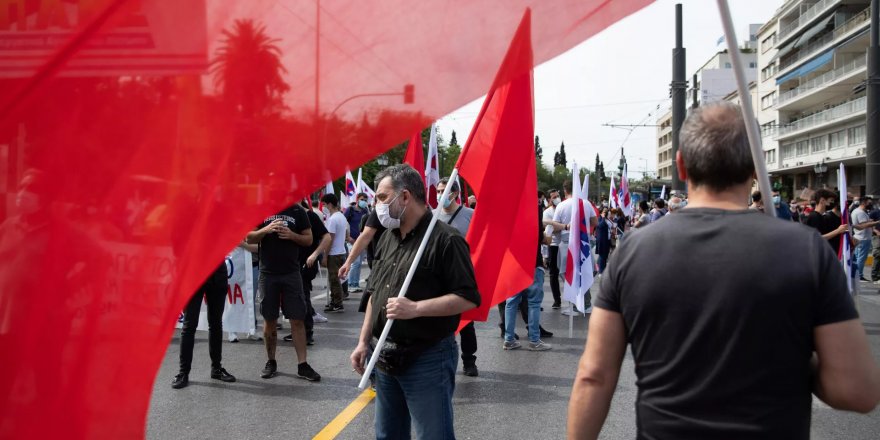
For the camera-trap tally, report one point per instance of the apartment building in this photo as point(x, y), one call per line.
point(811, 92)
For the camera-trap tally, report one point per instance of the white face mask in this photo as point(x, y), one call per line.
point(383, 211)
point(557, 201)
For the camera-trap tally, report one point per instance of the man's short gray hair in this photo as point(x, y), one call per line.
point(445, 182)
point(404, 177)
point(715, 146)
point(675, 204)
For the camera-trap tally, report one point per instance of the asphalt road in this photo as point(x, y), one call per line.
point(519, 394)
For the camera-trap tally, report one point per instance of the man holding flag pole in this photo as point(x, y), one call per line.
point(416, 374)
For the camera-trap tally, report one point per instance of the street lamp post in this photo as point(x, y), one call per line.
point(820, 169)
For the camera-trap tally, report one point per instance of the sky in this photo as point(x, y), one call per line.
point(620, 76)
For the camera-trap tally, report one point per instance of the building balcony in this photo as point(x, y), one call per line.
point(816, 10)
point(849, 155)
point(836, 82)
point(840, 113)
point(857, 23)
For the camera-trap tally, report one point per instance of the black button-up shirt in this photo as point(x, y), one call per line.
point(445, 268)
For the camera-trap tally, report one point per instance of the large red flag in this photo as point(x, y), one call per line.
point(141, 140)
point(499, 162)
point(415, 154)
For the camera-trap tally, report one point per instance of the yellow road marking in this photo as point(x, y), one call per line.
point(346, 416)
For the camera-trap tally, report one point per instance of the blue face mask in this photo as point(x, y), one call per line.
point(776, 200)
point(362, 204)
point(447, 201)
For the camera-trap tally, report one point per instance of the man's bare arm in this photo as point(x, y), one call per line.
point(254, 237)
point(597, 375)
point(848, 376)
point(303, 238)
point(866, 225)
point(359, 245)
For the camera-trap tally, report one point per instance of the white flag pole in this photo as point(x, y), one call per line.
point(746, 100)
point(365, 379)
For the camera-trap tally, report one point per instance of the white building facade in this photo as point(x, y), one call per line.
point(812, 59)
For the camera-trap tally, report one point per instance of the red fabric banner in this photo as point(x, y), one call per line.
point(502, 234)
point(131, 130)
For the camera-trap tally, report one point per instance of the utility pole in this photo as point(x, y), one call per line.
point(872, 123)
point(679, 92)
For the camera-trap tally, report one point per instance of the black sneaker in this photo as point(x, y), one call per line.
point(328, 308)
point(545, 333)
point(310, 340)
point(337, 309)
point(270, 370)
point(556, 306)
point(471, 370)
point(180, 381)
point(288, 338)
point(305, 371)
point(222, 374)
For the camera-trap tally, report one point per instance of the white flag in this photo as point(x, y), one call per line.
point(432, 169)
point(578, 265)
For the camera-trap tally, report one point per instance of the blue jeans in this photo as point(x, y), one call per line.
point(354, 275)
point(421, 396)
point(862, 251)
point(534, 294)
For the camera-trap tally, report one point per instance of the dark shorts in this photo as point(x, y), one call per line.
point(284, 291)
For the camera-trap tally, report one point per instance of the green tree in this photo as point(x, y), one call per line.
point(247, 69)
point(563, 161)
point(539, 152)
point(453, 140)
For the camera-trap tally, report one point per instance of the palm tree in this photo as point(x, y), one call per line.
point(247, 68)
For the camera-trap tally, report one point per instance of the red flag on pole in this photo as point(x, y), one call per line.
point(116, 150)
point(415, 156)
point(502, 234)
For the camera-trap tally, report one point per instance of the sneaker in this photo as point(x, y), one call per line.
point(471, 371)
point(305, 371)
point(288, 338)
point(355, 290)
point(319, 318)
point(336, 309)
point(222, 374)
point(180, 381)
point(589, 310)
point(270, 370)
point(328, 308)
point(570, 312)
point(556, 306)
point(539, 346)
point(255, 338)
point(863, 279)
point(545, 333)
point(511, 345)
point(234, 340)
point(877, 283)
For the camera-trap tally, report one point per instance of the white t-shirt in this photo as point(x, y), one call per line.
point(548, 230)
point(859, 216)
point(563, 215)
point(337, 226)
